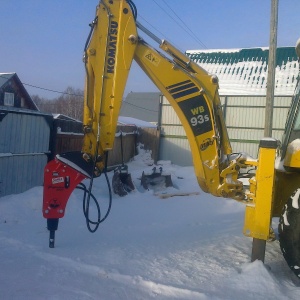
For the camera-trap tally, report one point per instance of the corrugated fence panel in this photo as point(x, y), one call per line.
point(24, 146)
point(175, 149)
point(175, 130)
point(169, 116)
point(19, 173)
point(246, 100)
point(279, 117)
point(277, 134)
point(245, 134)
point(280, 112)
point(244, 117)
point(249, 148)
point(24, 133)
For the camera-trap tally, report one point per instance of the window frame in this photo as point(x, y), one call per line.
point(9, 99)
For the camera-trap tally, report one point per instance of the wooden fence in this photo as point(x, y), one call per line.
point(125, 145)
point(29, 139)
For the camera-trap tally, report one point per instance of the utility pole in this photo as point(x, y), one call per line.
point(271, 69)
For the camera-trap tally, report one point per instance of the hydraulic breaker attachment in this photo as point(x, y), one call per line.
point(61, 176)
point(52, 225)
point(156, 179)
point(122, 182)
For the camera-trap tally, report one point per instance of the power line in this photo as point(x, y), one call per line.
point(124, 102)
point(75, 94)
point(188, 30)
point(152, 26)
point(195, 36)
point(45, 89)
point(161, 33)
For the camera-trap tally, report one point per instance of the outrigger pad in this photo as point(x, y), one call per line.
point(122, 182)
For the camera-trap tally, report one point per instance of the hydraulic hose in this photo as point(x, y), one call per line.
point(89, 195)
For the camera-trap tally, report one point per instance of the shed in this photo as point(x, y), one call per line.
point(242, 77)
point(24, 137)
point(24, 148)
point(13, 93)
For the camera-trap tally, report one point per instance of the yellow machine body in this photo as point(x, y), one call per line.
point(193, 94)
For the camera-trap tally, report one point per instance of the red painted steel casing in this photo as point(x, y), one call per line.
point(59, 182)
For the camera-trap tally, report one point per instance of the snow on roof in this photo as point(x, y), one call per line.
point(213, 51)
point(135, 122)
point(64, 117)
point(244, 71)
point(4, 77)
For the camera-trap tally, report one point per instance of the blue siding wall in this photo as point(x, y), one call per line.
point(24, 146)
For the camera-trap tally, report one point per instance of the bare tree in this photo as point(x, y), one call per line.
point(70, 103)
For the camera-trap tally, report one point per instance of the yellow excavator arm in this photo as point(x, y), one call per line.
point(112, 45)
point(108, 57)
point(192, 92)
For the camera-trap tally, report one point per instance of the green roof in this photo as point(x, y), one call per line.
point(248, 68)
point(283, 55)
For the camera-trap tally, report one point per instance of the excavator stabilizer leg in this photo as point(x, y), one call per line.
point(258, 213)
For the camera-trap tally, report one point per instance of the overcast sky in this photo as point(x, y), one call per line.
point(43, 40)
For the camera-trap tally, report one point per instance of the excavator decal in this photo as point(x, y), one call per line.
point(112, 47)
point(152, 58)
point(182, 89)
point(196, 112)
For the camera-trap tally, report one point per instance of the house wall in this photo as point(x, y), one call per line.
point(24, 149)
point(10, 83)
point(10, 89)
point(244, 117)
point(19, 99)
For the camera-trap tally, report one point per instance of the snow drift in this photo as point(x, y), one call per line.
point(188, 247)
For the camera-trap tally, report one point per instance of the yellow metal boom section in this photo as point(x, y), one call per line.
point(194, 108)
point(192, 92)
point(108, 59)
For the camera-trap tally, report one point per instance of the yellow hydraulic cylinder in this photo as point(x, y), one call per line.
point(259, 211)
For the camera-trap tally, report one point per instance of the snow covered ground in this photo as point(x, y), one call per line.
point(188, 247)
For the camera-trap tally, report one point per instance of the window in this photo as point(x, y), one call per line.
point(9, 99)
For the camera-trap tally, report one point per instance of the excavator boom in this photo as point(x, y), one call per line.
point(192, 92)
point(111, 47)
